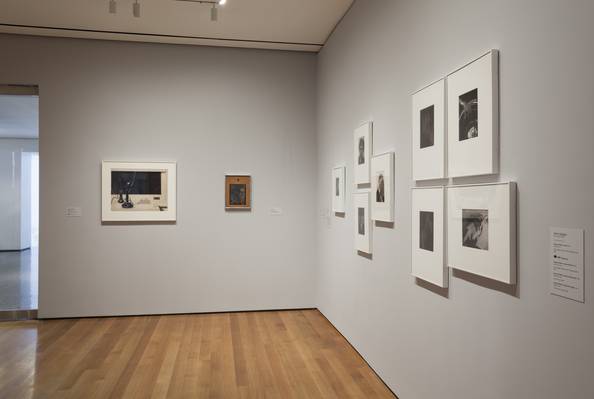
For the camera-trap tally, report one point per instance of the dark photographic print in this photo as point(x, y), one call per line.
point(468, 115)
point(380, 195)
point(361, 220)
point(427, 126)
point(138, 191)
point(426, 230)
point(361, 150)
point(337, 190)
point(475, 228)
point(237, 195)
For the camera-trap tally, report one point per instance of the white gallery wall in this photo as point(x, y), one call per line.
point(213, 111)
point(480, 339)
point(15, 193)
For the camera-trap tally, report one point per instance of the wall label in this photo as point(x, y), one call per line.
point(567, 263)
point(73, 212)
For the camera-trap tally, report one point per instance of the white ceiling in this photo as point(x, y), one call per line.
point(19, 116)
point(302, 25)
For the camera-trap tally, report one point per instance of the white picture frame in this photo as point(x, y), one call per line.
point(363, 226)
point(338, 189)
point(482, 230)
point(429, 132)
point(473, 117)
point(382, 187)
point(428, 235)
point(363, 150)
point(128, 205)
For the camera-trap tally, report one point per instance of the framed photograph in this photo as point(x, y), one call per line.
point(482, 230)
point(473, 118)
point(382, 187)
point(138, 191)
point(338, 189)
point(238, 192)
point(428, 235)
point(429, 135)
point(363, 150)
point(363, 231)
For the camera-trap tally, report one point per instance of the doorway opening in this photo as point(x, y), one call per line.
point(19, 201)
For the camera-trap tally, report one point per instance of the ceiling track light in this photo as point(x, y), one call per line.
point(136, 9)
point(214, 11)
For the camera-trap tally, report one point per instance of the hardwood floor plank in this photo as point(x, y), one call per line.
point(268, 355)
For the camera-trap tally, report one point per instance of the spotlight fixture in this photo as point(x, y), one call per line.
point(214, 13)
point(113, 6)
point(136, 9)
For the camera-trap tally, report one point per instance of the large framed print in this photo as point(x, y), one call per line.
point(429, 132)
point(428, 235)
point(363, 142)
point(382, 187)
point(138, 191)
point(338, 189)
point(363, 232)
point(473, 118)
point(238, 192)
point(482, 230)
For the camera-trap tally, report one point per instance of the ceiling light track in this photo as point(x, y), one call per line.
point(214, 12)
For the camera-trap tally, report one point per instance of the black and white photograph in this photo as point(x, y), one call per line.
point(475, 228)
point(138, 191)
point(426, 230)
point(361, 150)
point(237, 194)
point(380, 193)
point(427, 127)
point(468, 115)
point(361, 221)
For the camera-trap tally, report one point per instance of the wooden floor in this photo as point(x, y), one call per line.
point(284, 354)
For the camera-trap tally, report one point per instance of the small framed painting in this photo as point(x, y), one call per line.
point(238, 192)
point(428, 235)
point(138, 191)
point(363, 150)
point(338, 189)
point(429, 138)
point(382, 187)
point(482, 230)
point(362, 223)
point(473, 118)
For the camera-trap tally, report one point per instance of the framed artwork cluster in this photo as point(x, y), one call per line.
point(465, 227)
point(456, 134)
point(373, 177)
point(456, 123)
point(147, 192)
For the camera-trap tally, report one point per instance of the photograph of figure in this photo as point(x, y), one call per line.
point(380, 194)
point(468, 115)
point(475, 228)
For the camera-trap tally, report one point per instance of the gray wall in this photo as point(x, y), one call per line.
point(212, 110)
point(484, 341)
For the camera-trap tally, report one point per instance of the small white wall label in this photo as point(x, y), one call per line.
point(276, 211)
point(567, 263)
point(73, 212)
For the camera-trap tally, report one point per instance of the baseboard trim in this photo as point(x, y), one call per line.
point(360, 355)
point(18, 315)
point(15, 250)
point(177, 314)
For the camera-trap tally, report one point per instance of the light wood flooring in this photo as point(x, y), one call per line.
point(277, 354)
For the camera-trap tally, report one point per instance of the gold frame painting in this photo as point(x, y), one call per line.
point(238, 192)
